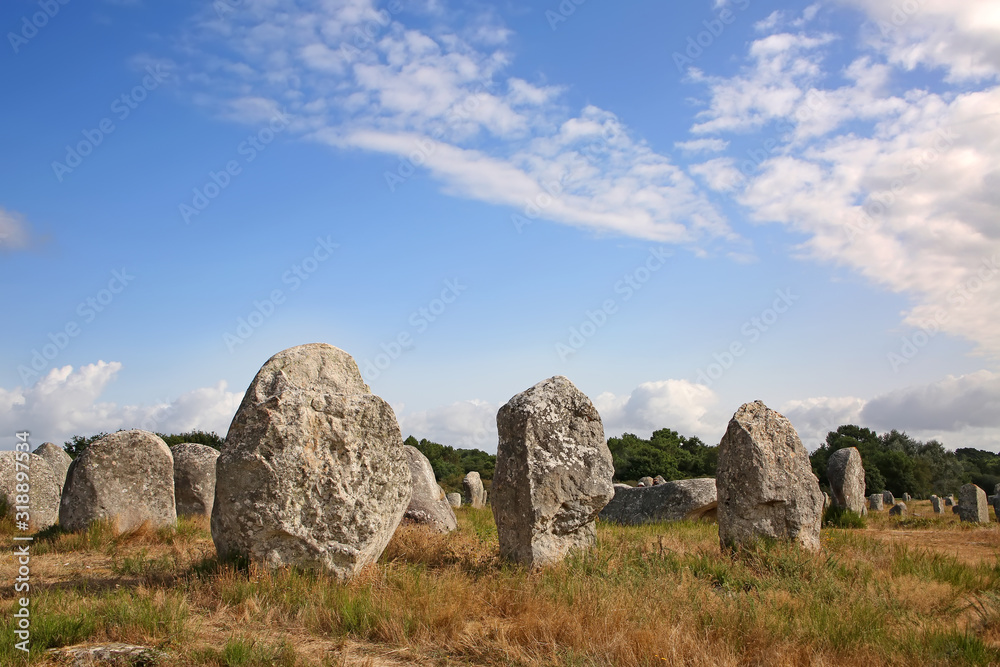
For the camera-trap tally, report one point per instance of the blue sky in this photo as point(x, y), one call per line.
point(679, 208)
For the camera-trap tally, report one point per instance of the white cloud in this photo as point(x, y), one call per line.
point(66, 402)
point(702, 145)
point(15, 233)
point(468, 424)
point(813, 418)
point(683, 406)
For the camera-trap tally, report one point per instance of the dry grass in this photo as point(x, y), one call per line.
point(925, 590)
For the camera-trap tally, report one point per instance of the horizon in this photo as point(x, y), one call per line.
point(681, 209)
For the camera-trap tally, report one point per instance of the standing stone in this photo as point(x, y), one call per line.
point(553, 473)
point(847, 479)
point(899, 509)
point(826, 500)
point(875, 502)
point(996, 489)
point(428, 505)
point(907, 497)
point(972, 504)
point(58, 460)
point(645, 481)
point(955, 509)
point(949, 501)
point(43, 485)
point(765, 482)
point(659, 480)
point(671, 501)
point(126, 477)
point(455, 499)
point(888, 498)
point(194, 478)
point(937, 505)
point(313, 473)
point(474, 493)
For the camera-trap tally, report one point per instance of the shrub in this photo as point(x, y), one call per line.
point(839, 517)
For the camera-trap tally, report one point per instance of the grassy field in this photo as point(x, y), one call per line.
point(918, 591)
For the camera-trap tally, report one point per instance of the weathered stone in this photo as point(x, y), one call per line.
point(907, 497)
point(194, 478)
point(659, 480)
point(937, 505)
point(90, 655)
point(972, 504)
point(955, 509)
point(474, 493)
point(645, 481)
point(826, 500)
point(847, 479)
point(875, 502)
point(455, 499)
point(313, 473)
point(58, 460)
point(43, 487)
point(670, 501)
point(766, 487)
point(996, 507)
point(888, 498)
point(126, 477)
point(949, 501)
point(428, 504)
point(553, 473)
point(899, 509)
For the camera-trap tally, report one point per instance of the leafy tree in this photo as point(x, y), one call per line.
point(75, 446)
point(451, 465)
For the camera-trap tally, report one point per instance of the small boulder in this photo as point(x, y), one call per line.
point(194, 478)
point(474, 492)
point(58, 460)
point(847, 479)
point(313, 473)
point(455, 499)
point(428, 504)
point(43, 489)
point(645, 481)
point(553, 473)
point(899, 509)
point(875, 502)
point(766, 487)
point(126, 477)
point(972, 505)
point(659, 480)
point(670, 501)
point(955, 509)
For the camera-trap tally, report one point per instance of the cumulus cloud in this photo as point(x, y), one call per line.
point(681, 405)
point(813, 418)
point(66, 402)
point(15, 233)
point(467, 424)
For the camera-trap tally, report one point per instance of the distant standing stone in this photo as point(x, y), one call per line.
point(58, 460)
point(194, 478)
point(875, 502)
point(44, 489)
point(127, 477)
point(659, 480)
point(475, 493)
point(972, 504)
point(553, 473)
point(670, 501)
point(907, 498)
point(455, 499)
point(645, 481)
point(847, 479)
point(428, 505)
point(766, 486)
point(888, 498)
point(899, 509)
point(937, 505)
point(949, 501)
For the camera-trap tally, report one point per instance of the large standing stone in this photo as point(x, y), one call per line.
point(126, 477)
point(313, 472)
point(765, 482)
point(847, 479)
point(58, 460)
point(972, 504)
point(553, 473)
point(875, 502)
point(937, 505)
point(475, 493)
point(670, 501)
point(194, 478)
point(428, 504)
point(43, 487)
point(888, 498)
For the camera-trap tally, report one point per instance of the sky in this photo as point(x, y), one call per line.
point(681, 207)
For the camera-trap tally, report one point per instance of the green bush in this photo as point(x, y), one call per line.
point(839, 517)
